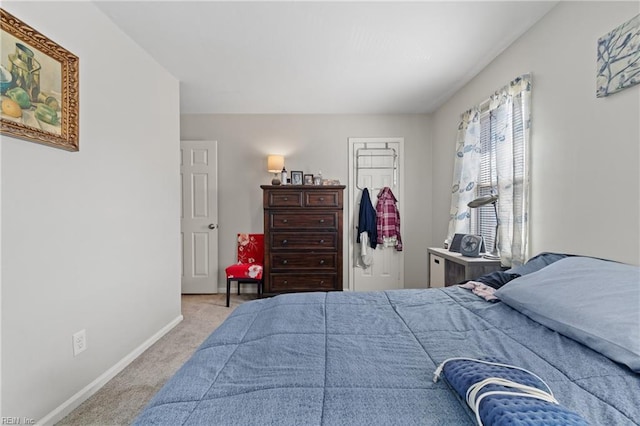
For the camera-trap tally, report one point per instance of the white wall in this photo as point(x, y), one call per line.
point(585, 151)
point(312, 143)
point(91, 239)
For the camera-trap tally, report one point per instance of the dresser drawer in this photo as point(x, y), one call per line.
point(315, 261)
point(304, 240)
point(288, 282)
point(326, 198)
point(289, 220)
point(284, 198)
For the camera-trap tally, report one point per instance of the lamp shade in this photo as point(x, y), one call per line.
point(483, 201)
point(275, 163)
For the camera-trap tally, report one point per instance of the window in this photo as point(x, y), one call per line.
point(483, 219)
point(491, 158)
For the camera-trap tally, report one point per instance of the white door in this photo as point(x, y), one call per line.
point(198, 170)
point(373, 164)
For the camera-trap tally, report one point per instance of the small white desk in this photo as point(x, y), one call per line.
point(449, 268)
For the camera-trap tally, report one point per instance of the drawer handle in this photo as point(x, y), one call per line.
point(436, 261)
point(284, 242)
point(285, 220)
point(321, 282)
point(321, 221)
point(286, 282)
point(321, 198)
point(286, 198)
point(284, 262)
point(321, 241)
point(322, 262)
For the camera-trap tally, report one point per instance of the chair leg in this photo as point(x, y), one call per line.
point(228, 290)
point(238, 287)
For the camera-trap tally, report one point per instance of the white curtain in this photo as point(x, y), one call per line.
point(465, 172)
point(510, 118)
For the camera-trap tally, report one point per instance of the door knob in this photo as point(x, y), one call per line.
point(212, 226)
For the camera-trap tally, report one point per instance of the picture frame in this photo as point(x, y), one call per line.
point(296, 177)
point(39, 83)
point(618, 58)
point(308, 179)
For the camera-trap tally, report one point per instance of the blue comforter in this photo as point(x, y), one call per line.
point(368, 359)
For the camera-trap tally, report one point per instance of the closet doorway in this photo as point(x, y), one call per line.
point(375, 163)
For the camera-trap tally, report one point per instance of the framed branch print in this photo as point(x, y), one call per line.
point(38, 86)
point(619, 58)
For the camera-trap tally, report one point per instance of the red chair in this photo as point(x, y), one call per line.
point(250, 261)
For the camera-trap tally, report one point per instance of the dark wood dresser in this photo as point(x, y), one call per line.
point(302, 238)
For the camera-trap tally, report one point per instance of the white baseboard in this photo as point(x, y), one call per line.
point(72, 403)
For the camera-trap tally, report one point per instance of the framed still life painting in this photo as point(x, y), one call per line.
point(38, 86)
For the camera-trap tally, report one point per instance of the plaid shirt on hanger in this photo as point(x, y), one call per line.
point(388, 217)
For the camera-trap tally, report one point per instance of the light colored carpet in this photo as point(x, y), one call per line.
point(124, 396)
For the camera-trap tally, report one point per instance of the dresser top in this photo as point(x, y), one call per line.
point(305, 187)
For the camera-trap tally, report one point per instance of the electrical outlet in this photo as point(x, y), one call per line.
point(79, 342)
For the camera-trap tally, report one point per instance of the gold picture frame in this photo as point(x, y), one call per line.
point(38, 86)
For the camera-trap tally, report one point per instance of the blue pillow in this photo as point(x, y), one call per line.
point(536, 263)
point(496, 279)
point(593, 301)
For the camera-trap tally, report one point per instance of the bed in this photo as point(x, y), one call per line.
point(343, 358)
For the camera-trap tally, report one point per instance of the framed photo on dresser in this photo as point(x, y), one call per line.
point(308, 179)
point(296, 178)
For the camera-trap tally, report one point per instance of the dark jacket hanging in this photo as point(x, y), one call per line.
point(367, 219)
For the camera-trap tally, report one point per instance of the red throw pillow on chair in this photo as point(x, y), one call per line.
point(250, 257)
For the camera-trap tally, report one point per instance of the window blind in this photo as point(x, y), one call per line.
point(506, 155)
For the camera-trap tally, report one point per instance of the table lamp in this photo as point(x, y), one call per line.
point(275, 163)
point(483, 201)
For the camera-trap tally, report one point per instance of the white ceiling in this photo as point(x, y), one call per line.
point(322, 57)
